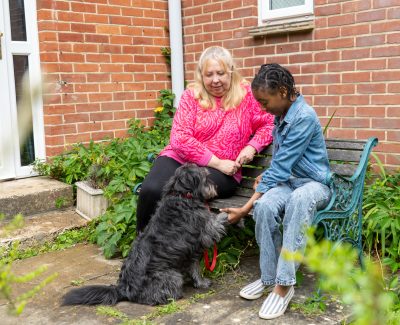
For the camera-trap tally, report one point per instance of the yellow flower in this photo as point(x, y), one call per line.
point(159, 109)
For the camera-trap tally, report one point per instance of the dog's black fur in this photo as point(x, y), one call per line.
point(170, 247)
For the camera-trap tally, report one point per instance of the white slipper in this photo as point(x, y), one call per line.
point(255, 290)
point(275, 305)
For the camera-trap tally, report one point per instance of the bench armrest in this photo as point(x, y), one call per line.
point(347, 192)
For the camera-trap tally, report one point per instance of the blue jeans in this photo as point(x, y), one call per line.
point(292, 204)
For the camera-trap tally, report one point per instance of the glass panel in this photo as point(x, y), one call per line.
point(17, 19)
point(279, 4)
point(27, 146)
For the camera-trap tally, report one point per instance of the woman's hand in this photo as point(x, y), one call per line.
point(234, 214)
point(226, 166)
point(246, 155)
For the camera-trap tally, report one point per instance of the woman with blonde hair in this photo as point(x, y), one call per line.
point(218, 124)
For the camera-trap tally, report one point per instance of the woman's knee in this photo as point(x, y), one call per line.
point(150, 190)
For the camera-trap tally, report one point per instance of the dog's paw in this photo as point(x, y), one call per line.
point(202, 284)
point(223, 218)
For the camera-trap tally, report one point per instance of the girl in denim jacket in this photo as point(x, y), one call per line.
point(289, 191)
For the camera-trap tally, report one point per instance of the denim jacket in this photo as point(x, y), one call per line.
point(298, 149)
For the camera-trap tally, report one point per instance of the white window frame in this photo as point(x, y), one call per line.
point(265, 14)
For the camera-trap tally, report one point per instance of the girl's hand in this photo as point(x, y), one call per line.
point(234, 214)
point(246, 155)
point(257, 181)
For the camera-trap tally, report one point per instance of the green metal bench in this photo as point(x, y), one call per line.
point(342, 218)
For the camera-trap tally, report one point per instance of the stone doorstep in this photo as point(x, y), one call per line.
point(43, 227)
point(34, 195)
point(86, 263)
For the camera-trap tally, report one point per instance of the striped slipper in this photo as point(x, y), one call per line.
point(275, 305)
point(255, 290)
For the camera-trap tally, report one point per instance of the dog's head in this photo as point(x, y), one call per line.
point(191, 180)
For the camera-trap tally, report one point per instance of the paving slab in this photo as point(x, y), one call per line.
point(33, 195)
point(85, 263)
point(42, 227)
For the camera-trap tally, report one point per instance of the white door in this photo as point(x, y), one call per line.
point(21, 126)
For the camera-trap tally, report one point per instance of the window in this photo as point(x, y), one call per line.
point(270, 10)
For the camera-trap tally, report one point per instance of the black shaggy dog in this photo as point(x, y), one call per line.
point(169, 248)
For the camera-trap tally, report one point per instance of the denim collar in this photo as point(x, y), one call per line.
point(292, 112)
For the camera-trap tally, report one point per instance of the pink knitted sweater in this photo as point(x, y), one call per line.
point(198, 133)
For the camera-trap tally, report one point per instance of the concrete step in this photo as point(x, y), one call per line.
point(34, 195)
point(42, 227)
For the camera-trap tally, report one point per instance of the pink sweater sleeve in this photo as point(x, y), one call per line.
point(262, 124)
point(182, 138)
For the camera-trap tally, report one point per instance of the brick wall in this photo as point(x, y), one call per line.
point(349, 64)
point(102, 64)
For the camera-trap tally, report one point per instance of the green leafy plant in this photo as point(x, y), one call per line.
point(9, 280)
point(381, 222)
point(373, 298)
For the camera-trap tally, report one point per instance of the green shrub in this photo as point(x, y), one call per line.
point(381, 221)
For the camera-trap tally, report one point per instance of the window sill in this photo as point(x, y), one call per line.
point(284, 26)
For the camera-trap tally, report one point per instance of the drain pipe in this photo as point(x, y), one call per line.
point(175, 39)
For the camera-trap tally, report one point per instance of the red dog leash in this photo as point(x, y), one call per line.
point(215, 252)
point(214, 259)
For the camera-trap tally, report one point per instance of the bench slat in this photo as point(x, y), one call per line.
point(343, 169)
point(345, 144)
point(344, 155)
point(232, 202)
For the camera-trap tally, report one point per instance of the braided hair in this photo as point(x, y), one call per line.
point(275, 77)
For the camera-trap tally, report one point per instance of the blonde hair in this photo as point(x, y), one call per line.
point(236, 92)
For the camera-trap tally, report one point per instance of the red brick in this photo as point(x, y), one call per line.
point(341, 66)
point(112, 106)
point(100, 97)
point(385, 123)
point(394, 88)
point(88, 107)
point(113, 125)
point(385, 3)
point(393, 136)
point(69, 16)
point(112, 67)
point(86, 88)
point(102, 135)
point(355, 54)
point(356, 6)
point(371, 111)
point(98, 77)
point(71, 57)
point(85, 67)
point(90, 18)
point(371, 88)
point(386, 51)
point(378, 64)
point(88, 127)
point(54, 141)
point(327, 10)
point(372, 15)
point(97, 57)
point(387, 99)
point(74, 118)
point(213, 7)
point(74, 98)
point(327, 33)
point(77, 138)
point(356, 77)
point(341, 89)
point(108, 10)
point(393, 13)
point(326, 100)
point(85, 47)
point(83, 7)
point(110, 87)
point(327, 79)
point(340, 20)
point(83, 28)
point(61, 129)
point(327, 56)
point(232, 24)
point(355, 30)
point(385, 26)
point(101, 116)
point(93, 38)
point(355, 100)
point(387, 75)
